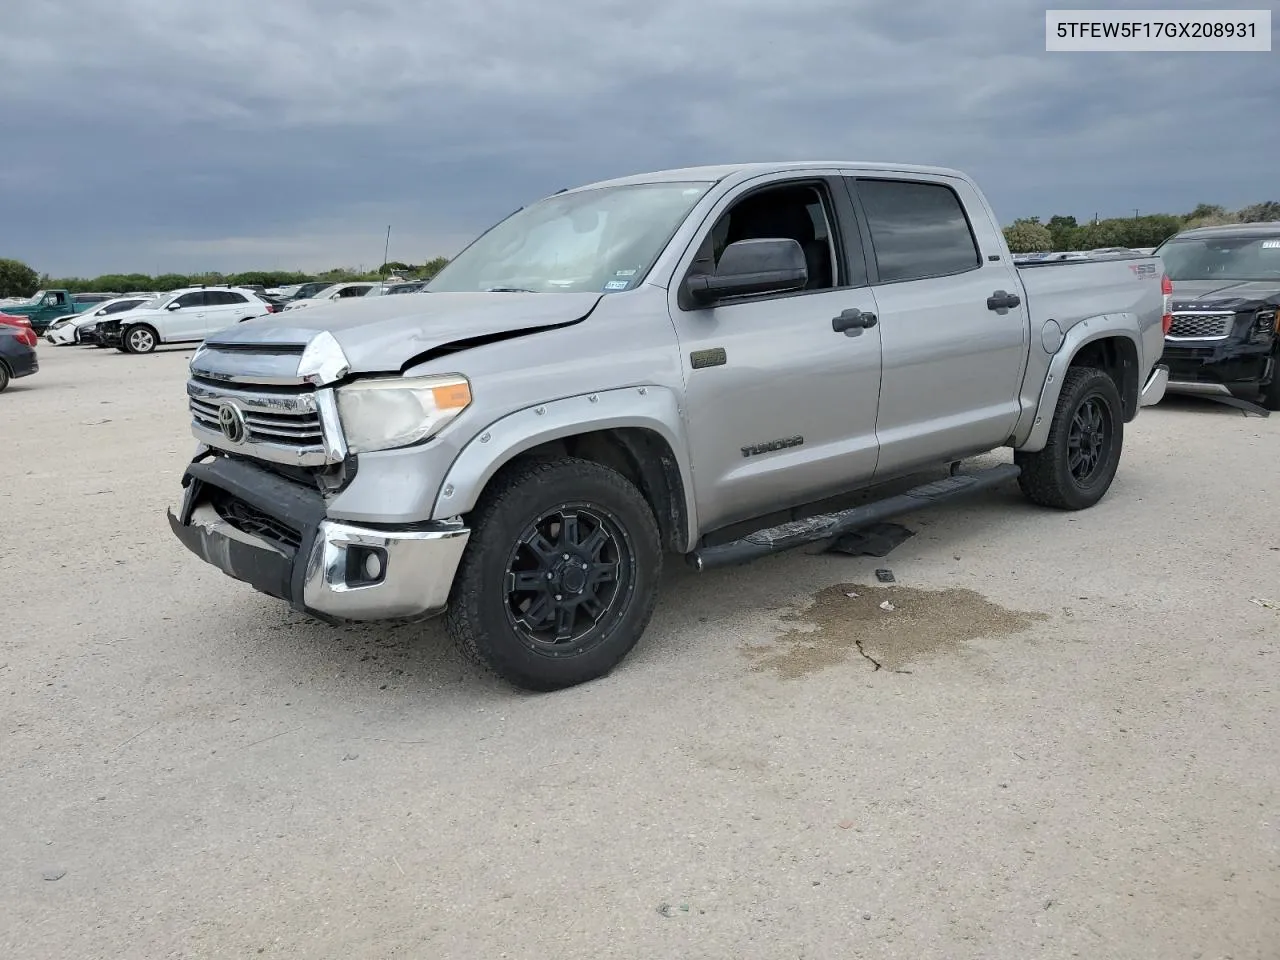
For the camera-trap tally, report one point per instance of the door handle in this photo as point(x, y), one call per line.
point(1000, 300)
point(854, 320)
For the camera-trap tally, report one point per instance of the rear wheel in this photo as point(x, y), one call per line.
point(560, 577)
point(1079, 461)
point(140, 339)
point(4, 376)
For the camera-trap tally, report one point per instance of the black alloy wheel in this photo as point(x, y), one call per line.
point(566, 574)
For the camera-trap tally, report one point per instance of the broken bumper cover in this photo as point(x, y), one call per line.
point(272, 534)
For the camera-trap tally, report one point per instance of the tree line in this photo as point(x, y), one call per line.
point(1059, 233)
point(1024, 235)
point(17, 279)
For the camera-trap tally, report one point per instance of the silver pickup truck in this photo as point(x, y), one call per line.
point(678, 362)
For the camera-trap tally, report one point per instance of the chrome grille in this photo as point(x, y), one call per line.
point(280, 424)
point(1201, 326)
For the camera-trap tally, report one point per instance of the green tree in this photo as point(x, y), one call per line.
point(1063, 231)
point(1205, 211)
point(1260, 212)
point(432, 267)
point(1148, 231)
point(1209, 220)
point(1028, 236)
point(17, 279)
point(1104, 233)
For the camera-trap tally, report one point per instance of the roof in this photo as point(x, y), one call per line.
point(1270, 228)
point(723, 171)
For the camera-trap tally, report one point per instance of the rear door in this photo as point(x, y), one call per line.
point(224, 308)
point(953, 361)
point(780, 406)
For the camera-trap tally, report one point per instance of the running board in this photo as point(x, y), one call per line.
point(796, 533)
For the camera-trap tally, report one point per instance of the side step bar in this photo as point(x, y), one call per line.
point(828, 525)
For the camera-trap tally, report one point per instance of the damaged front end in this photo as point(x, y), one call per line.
point(255, 496)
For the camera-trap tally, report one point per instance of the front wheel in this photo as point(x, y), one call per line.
point(1079, 461)
point(140, 339)
point(560, 577)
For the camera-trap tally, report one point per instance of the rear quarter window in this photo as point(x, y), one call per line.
point(918, 230)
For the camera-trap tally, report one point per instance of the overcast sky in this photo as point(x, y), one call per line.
point(176, 135)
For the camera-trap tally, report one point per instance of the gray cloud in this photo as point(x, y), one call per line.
point(166, 134)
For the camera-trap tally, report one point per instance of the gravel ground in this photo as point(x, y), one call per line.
point(1061, 742)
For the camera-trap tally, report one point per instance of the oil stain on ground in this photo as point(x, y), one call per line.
point(922, 623)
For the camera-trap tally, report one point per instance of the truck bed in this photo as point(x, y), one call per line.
point(1072, 290)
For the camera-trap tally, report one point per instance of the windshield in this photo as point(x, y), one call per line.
point(32, 300)
point(1222, 258)
point(604, 239)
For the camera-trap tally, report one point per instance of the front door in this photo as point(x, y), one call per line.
point(185, 318)
point(781, 407)
point(952, 365)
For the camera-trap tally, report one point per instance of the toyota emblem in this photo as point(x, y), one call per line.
point(231, 420)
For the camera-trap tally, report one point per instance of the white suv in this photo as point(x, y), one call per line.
point(183, 316)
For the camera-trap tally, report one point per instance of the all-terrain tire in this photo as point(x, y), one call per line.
point(1056, 476)
point(490, 615)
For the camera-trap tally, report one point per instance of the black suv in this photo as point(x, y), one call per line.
point(1225, 338)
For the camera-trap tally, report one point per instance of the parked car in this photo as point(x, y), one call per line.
point(17, 353)
point(744, 343)
point(304, 291)
point(69, 330)
point(182, 316)
point(386, 289)
point(12, 321)
point(44, 307)
point(336, 291)
point(90, 298)
point(274, 304)
point(1225, 337)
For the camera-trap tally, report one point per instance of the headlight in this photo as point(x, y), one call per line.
point(396, 412)
point(1266, 324)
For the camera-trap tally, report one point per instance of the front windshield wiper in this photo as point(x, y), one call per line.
point(510, 290)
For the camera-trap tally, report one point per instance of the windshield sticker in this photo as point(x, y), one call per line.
point(1271, 244)
point(616, 285)
point(625, 273)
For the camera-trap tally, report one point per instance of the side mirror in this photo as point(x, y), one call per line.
point(174, 306)
point(751, 267)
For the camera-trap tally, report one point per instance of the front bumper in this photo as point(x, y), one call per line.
point(61, 335)
point(273, 534)
point(1223, 369)
point(110, 334)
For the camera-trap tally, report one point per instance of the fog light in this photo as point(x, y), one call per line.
point(365, 565)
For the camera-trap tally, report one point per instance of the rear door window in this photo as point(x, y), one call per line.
point(918, 229)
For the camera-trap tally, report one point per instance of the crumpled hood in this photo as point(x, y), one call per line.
point(381, 334)
point(1224, 294)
